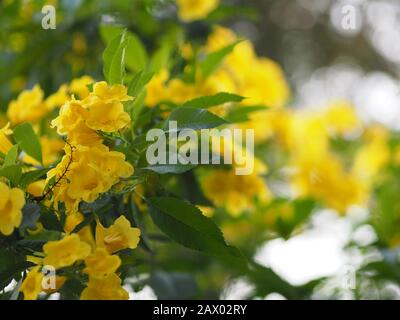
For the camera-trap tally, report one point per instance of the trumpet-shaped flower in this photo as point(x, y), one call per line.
point(118, 236)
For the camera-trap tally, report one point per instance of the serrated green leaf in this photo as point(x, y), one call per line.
point(28, 141)
point(185, 224)
point(193, 118)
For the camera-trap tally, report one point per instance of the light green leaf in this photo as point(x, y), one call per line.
point(214, 59)
point(28, 140)
point(136, 55)
point(193, 118)
point(214, 100)
point(185, 224)
point(12, 173)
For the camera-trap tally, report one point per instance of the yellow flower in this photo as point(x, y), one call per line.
point(79, 86)
point(372, 156)
point(100, 263)
point(57, 99)
point(11, 203)
point(105, 109)
point(118, 236)
point(65, 252)
point(326, 180)
point(29, 106)
point(236, 193)
point(190, 10)
point(5, 144)
point(206, 211)
point(71, 121)
point(105, 288)
point(32, 285)
point(90, 172)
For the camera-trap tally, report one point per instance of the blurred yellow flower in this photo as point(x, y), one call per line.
point(190, 10)
point(51, 151)
point(156, 89)
point(326, 180)
point(104, 288)
point(65, 252)
point(32, 284)
point(118, 236)
point(12, 200)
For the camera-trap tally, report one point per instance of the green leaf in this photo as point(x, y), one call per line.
point(28, 140)
point(12, 173)
point(193, 118)
point(138, 82)
point(214, 59)
point(114, 59)
point(11, 156)
point(186, 225)
point(241, 114)
point(30, 215)
point(214, 100)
